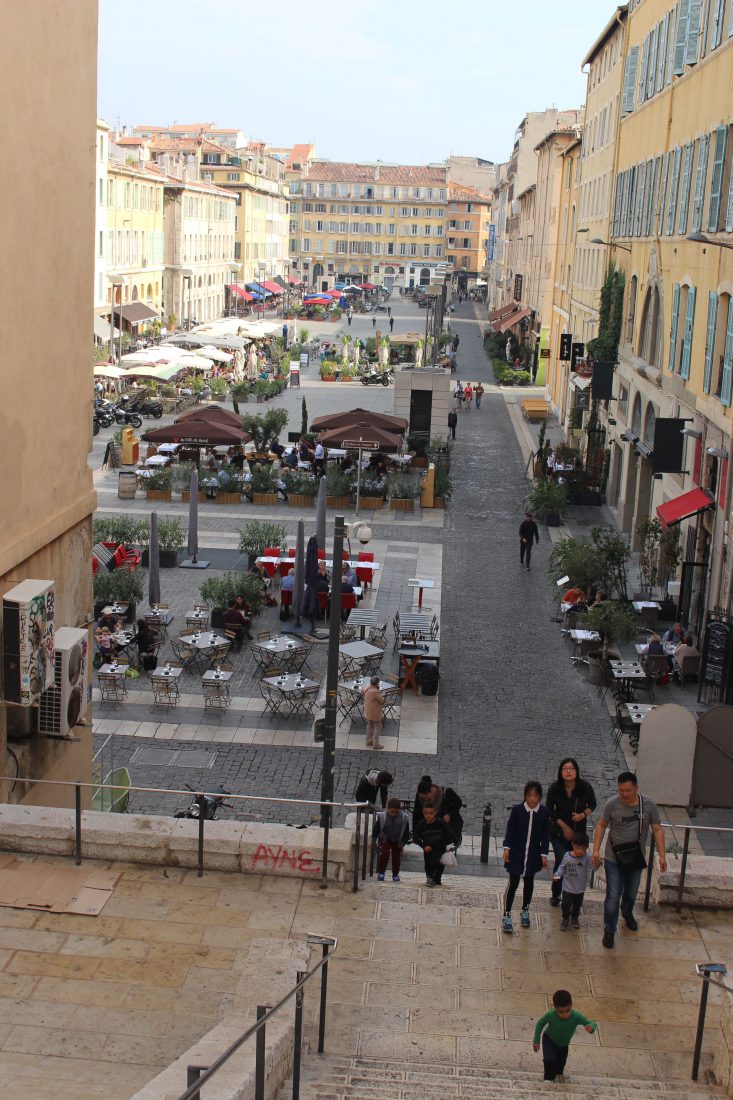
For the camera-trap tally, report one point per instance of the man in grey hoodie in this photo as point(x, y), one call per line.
point(391, 829)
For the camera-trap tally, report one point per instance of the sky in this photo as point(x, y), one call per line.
point(410, 81)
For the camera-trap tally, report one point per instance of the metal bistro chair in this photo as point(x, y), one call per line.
point(298, 658)
point(186, 654)
point(348, 666)
point(276, 701)
point(218, 656)
point(166, 692)
point(434, 629)
point(111, 687)
point(346, 702)
point(392, 700)
point(347, 633)
point(303, 705)
point(197, 622)
point(378, 635)
point(370, 665)
point(396, 628)
point(216, 695)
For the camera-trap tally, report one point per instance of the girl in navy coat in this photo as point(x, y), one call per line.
point(526, 844)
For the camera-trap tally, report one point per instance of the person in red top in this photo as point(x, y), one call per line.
point(468, 395)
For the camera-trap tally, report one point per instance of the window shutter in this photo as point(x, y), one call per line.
point(662, 195)
point(710, 339)
point(684, 205)
point(729, 210)
point(617, 206)
point(625, 204)
point(651, 75)
point(730, 22)
point(673, 329)
point(716, 30)
point(651, 184)
point(697, 464)
point(680, 45)
point(629, 90)
point(727, 379)
point(689, 324)
point(693, 32)
point(673, 185)
point(716, 181)
point(639, 206)
point(723, 482)
point(633, 192)
point(671, 47)
point(661, 53)
point(641, 96)
point(702, 175)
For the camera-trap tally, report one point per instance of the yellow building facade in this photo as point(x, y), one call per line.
point(48, 225)
point(134, 255)
point(558, 379)
point(672, 228)
point(467, 233)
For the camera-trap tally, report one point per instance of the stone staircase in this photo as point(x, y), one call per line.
point(329, 1077)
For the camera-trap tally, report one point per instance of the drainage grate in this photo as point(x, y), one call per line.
point(173, 758)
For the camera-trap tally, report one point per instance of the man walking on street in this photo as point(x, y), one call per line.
point(391, 323)
point(478, 393)
point(628, 818)
point(528, 535)
point(452, 421)
point(373, 713)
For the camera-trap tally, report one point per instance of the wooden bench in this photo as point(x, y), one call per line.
point(535, 409)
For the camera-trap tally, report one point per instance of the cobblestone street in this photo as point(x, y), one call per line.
point(510, 702)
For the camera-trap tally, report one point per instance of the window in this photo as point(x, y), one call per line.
point(716, 182)
point(684, 203)
point(673, 330)
point(413, 250)
point(687, 308)
point(673, 185)
point(232, 177)
point(710, 340)
point(341, 247)
point(702, 173)
point(631, 312)
point(405, 212)
point(650, 328)
point(426, 250)
point(101, 242)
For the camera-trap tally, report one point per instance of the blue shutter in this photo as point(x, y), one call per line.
point(729, 210)
point(661, 53)
point(644, 72)
point(689, 324)
point(670, 47)
point(629, 87)
point(710, 339)
point(693, 32)
point(715, 36)
point(640, 191)
point(716, 181)
point(684, 203)
point(673, 329)
point(617, 206)
point(652, 74)
point(702, 174)
point(726, 388)
point(680, 43)
point(730, 22)
point(651, 184)
point(662, 195)
point(633, 178)
point(673, 185)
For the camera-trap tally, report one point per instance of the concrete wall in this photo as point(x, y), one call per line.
point(439, 381)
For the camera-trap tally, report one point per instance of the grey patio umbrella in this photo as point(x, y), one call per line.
point(321, 514)
point(299, 572)
point(310, 602)
point(193, 516)
point(154, 562)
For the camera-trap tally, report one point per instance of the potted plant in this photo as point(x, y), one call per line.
point(218, 592)
point(417, 443)
point(240, 394)
point(372, 492)
point(120, 586)
point(230, 485)
point(328, 370)
point(257, 535)
point(301, 488)
point(578, 559)
point(546, 501)
point(171, 540)
point(263, 429)
point(262, 486)
point(615, 621)
point(438, 451)
point(182, 481)
point(338, 486)
point(443, 487)
point(649, 532)
point(401, 489)
point(218, 389)
point(670, 553)
point(158, 484)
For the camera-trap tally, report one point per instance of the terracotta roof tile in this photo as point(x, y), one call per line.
point(414, 175)
point(187, 145)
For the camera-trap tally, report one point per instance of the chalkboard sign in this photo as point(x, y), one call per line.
point(716, 655)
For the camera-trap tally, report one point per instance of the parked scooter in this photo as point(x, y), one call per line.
point(213, 802)
point(124, 416)
point(104, 413)
point(377, 378)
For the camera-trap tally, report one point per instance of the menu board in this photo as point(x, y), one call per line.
point(717, 653)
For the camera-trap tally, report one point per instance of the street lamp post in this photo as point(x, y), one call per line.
point(328, 764)
point(263, 271)
point(701, 238)
point(610, 244)
point(115, 284)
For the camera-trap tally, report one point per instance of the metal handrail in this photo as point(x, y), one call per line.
point(265, 1013)
point(705, 971)
point(200, 796)
point(685, 853)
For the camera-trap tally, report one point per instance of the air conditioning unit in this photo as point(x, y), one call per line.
point(28, 641)
point(62, 706)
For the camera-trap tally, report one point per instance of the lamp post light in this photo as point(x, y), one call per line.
point(700, 238)
point(328, 765)
point(116, 284)
point(610, 244)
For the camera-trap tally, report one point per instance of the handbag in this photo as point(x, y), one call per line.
point(449, 858)
point(631, 854)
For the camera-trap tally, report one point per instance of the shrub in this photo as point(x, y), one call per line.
point(546, 498)
point(159, 478)
point(401, 486)
point(299, 482)
point(338, 481)
point(122, 529)
point(220, 591)
point(123, 585)
point(263, 480)
point(257, 535)
point(171, 534)
point(443, 484)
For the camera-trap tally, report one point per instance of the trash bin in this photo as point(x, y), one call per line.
point(319, 729)
point(126, 485)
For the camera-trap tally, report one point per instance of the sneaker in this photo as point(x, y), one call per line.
point(631, 923)
point(575, 923)
point(377, 747)
point(554, 902)
point(524, 918)
point(395, 878)
point(380, 876)
point(608, 938)
point(429, 882)
point(506, 923)
point(528, 569)
point(564, 924)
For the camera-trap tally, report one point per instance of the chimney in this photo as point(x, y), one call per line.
point(165, 163)
point(191, 166)
point(376, 173)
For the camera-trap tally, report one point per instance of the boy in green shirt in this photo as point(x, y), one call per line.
point(557, 1028)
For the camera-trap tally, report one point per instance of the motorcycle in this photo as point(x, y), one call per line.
point(377, 378)
point(95, 426)
point(124, 416)
point(103, 413)
point(213, 802)
point(149, 406)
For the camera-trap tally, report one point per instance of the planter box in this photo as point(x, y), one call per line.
point(168, 559)
point(158, 494)
point(328, 378)
point(438, 502)
point(338, 502)
point(419, 463)
point(186, 495)
point(552, 519)
point(400, 504)
point(217, 618)
point(375, 503)
point(219, 397)
point(264, 498)
point(228, 498)
point(300, 500)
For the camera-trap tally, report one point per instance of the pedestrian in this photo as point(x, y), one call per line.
point(391, 323)
point(572, 876)
point(478, 393)
point(528, 534)
point(570, 800)
point(458, 395)
point(372, 785)
point(452, 421)
point(557, 1028)
point(391, 830)
point(456, 342)
point(526, 844)
point(447, 804)
point(468, 395)
point(628, 816)
point(348, 318)
point(285, 336)
point(389, 311)
point(374, 321)
point(373, 713)
point(433, 835)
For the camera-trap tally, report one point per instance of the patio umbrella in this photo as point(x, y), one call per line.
point(361, 437)
point(394, 424)
point(321, 515)
point(198, 433)
point(215, 413)
point(154, 562)
point(215, 353)
point(310, 601)
point(299, 572)
point(193, 516)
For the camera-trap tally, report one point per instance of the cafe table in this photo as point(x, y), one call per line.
point(354, 688)
point(638, 711)
point(293, 688)
point(283, 649)
point(641, 605)
point(361, 656)
point(352, 563)
point(414, 624)
point(629, 674)
point(363, 618)
point(420, 585)
point(204, 640)
point(411, 656)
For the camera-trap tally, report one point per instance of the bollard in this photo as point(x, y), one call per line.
point(485, 833)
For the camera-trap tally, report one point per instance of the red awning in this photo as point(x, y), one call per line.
point(295, 282)
point(241, 292)
point(684, 506)
point(367, 286)
point(503, 311)
point(512, 320)
point(274, 288)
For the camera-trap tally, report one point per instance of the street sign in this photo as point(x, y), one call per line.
point(566, 341)
point(359, 444)
point(492, 240)
point(577, 352)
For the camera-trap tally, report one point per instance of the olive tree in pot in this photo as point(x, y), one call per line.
point(546, 501)
point(670, 554)
point(338, 486)
point(219, 592)
point(257, 536)
point(119, 586)
point(615, 621)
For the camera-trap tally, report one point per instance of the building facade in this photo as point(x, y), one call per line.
point(467, 233)
point(560, 387)
point(47, 498)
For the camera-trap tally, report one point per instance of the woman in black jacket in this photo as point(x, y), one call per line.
point(570, 800)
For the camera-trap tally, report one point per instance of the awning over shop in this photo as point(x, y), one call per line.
point(272, 287)
point(512, 320)
point(101, 329)
point(281, 282)
point(135, 313)
point(240, 292)
point(258, 290)
point(503, 311)
point(684, 506)
point(578, 382)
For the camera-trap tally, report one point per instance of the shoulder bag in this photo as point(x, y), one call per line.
point(631, 854)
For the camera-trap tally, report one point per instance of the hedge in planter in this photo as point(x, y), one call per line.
point(257, 535)
point(372, 491)
point(263, 485)
point(338, 486)
point(402, 490)
point(230, 480)
point(218, 592)
point(171, 540)
point(301, 488)
point(158, 484)
point(120, 586)
point(121, 529)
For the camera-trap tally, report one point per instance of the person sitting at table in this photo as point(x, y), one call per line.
point(105, 645)
point(574, 595)
point(288, 582)
point(109, 619)
point(675, 634)
point(323, 572)
point(654, 647)
point(234, 628)
point(322, 585)
point(304, 451)
point(146, 640)
point(597, 599)
point(686, 648)
point(348, 574)
point(277, 448)
point(291, 460)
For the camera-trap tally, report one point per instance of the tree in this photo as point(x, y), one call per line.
point(303, 417)
point(613, 620)
point(604, 348)
point(264, 428)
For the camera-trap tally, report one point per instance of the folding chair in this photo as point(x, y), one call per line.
point(218, 656)
point(303, 705)
point(378, 635)
point(216, 695)
point(346, 633)
point(365, 576)
point(346, 702)
point(276, 702)
point(263, 636)
point(186, 654)
point(298, 657)
point(111, 687)
point(370, 665)
point(392, 700)
point(396, 628)
point(434, 628)
point(165, 691)
point(197, 623)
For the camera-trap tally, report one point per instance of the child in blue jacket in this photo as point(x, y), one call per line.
point(526, 844)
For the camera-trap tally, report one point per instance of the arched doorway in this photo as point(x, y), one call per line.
point(425, 276)
point(318, 271)
point(388, 279)
point(134, 294)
